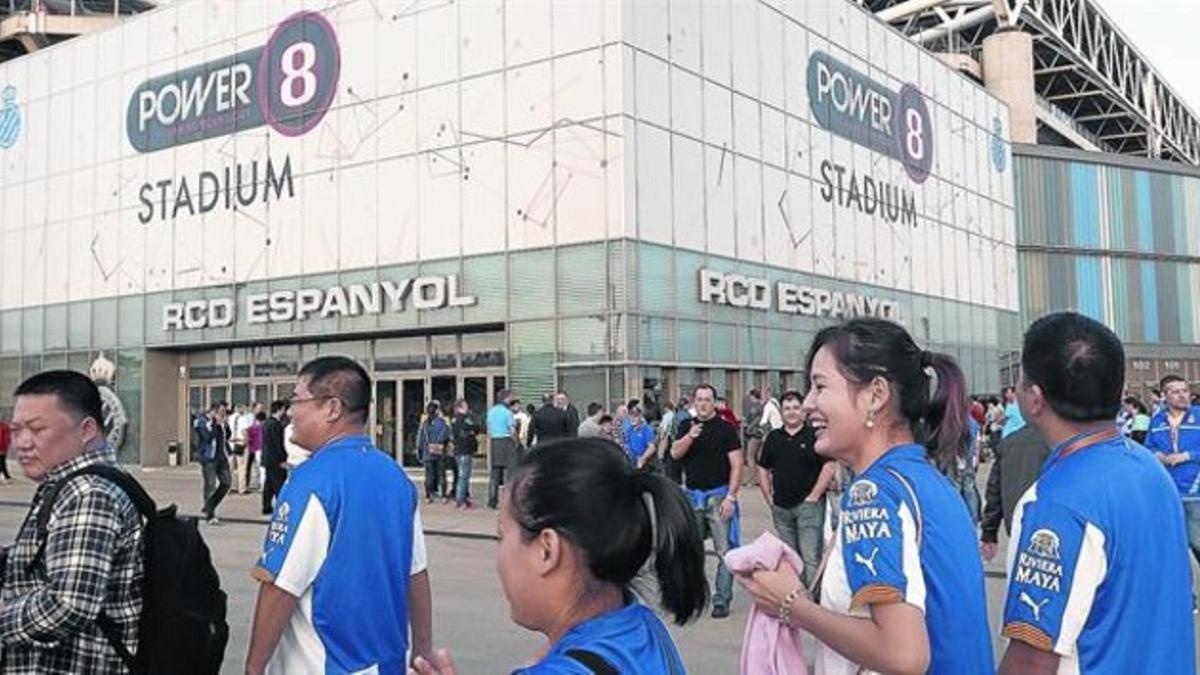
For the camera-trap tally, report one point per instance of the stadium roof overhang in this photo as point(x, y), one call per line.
point(1093, 86)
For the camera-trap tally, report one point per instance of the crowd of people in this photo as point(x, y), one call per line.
point(252, 447)
point(869, 473)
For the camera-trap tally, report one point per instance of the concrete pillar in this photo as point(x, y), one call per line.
point(1008, 75)
point(161, 407)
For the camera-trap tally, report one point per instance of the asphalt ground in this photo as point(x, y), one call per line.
point(471, 615)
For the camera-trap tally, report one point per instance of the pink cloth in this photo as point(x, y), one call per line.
point(768, 647)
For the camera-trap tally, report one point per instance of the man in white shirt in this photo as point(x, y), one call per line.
point(772, 418)
point(241, 421)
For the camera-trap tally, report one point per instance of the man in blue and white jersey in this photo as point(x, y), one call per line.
point(343, 567)
point(1174, 437)
point(1098, 573)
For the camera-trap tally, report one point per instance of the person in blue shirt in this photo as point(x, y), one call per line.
point(639, 438)
point(1098, 569)
point(903, 588)
point(1174, 437)
point(1013, 421)
point(502, 452)
point(342, 572)
point(432, 438)
point(566, 566)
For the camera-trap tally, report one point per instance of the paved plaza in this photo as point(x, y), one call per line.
point(470, 612)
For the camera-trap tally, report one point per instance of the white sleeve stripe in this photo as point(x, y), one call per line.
point(419, 560)
point(1017, 518)
point(306, 554)
point(1090, 569)
point(911, 559)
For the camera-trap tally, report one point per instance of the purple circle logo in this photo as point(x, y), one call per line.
point(298, 73)
point(913, 132)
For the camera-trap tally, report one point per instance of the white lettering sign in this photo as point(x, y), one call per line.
point(421, 293)
point(737, 290)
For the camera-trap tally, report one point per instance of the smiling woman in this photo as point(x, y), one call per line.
point(890, 595)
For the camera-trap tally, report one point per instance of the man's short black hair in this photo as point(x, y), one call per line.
point(792, 395)
point(594, 407)
point(276, 406)
point(341, 378)
point(1078, 363)
point(76, 393)
point(1170, 379)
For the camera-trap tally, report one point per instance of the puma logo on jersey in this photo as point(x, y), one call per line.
point(1035, 607)
point(868, 562)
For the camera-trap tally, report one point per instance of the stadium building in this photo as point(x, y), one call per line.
point(595, 196)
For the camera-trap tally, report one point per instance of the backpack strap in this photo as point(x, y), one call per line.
point(141, 500)
point(145, 506)
point(593, 661)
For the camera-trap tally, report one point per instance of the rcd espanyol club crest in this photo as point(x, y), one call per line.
point(999, 147)
point(103, 373)
point(10, 118)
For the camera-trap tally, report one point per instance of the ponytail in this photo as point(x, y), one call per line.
point(586, 490)
point(866, 348)
point(678, 550)
point(947, 433)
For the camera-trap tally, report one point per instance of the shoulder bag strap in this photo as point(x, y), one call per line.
point(593, 661)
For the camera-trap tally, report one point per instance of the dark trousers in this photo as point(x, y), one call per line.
point(4, 466)
point(249, 460)
point(274, 483)
point(450, 464)
point(216, 485)
point(494, 483)
point(433, 476)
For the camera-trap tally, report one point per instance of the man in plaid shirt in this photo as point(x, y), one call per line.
point(91, 561)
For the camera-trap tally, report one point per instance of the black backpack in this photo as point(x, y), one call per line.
point(182, 630)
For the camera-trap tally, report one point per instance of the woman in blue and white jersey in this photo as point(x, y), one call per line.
point(575, 528)
point(903, 588)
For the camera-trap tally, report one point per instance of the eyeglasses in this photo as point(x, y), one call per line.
point(294, 400)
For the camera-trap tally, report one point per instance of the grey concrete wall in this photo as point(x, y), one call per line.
point(1008, 75)
point(160, 406)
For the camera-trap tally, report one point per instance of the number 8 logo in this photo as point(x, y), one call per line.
point(302, 72)
point(915, 139)
point(911, 131)
point(298, 73)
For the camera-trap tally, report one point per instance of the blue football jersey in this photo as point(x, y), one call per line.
point(344, 539)
point(904, 535)
point(1098, 563)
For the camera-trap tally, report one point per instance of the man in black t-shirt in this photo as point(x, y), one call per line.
point(793, 479)
point(708, 448)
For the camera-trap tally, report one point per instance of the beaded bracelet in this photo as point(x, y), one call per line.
point(785, 607)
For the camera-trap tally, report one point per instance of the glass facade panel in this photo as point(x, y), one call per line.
point(56, 327)
point(400, 354)
point(482, 350)
point(443, 351)
point(79, 325)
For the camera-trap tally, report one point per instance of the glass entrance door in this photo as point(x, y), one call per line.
point(412, 404)
point(385, 416)
point(445, 391)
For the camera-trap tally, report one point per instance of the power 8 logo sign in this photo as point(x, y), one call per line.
point(289, 84)
point(867, 112)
